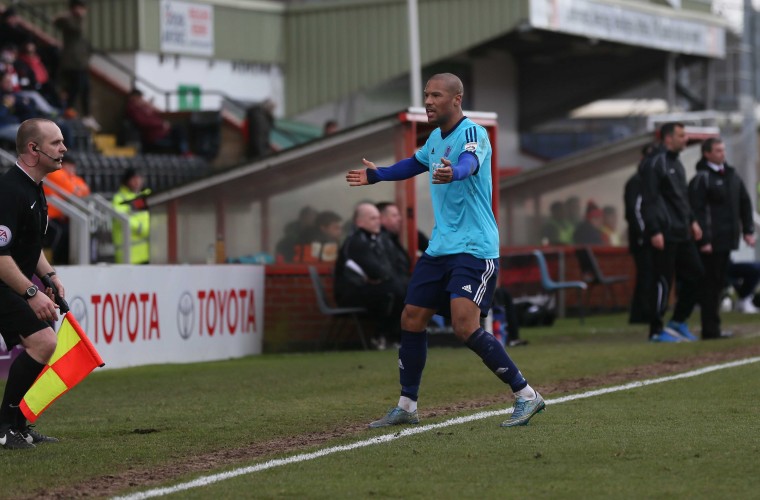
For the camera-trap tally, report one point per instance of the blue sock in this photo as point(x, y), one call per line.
point(496, 359)
point(411, 361)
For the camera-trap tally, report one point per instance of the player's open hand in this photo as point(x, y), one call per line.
point(444, 174)
point(359, 177)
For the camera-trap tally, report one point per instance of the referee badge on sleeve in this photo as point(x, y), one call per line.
point(471, 147)
point(5, 236)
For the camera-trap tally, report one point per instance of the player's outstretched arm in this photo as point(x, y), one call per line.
point(359, 177)
point(404, 169)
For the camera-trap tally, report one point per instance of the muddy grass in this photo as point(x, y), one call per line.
point(112, 484)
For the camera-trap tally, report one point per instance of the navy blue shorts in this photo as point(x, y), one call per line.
point(436, 279)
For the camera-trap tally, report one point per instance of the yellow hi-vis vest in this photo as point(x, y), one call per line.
point(139, 224)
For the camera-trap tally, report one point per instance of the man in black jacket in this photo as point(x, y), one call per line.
point(669, 226)
point(638, 247)
point(723, 209)
point(390, 231)
point(364, 275)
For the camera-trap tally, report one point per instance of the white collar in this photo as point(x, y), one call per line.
point(714, 167)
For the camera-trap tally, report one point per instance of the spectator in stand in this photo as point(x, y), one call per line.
point(589, 232)
point(609, 226)
point(390, 222)
point(7, 66)
point(364, 275)
point(130, 200)
point(297, 232)
point(330, 127)
point(21, 78)
point(155, 132)
point(38, 76)
point(327, 236)
point(69, 182)
point(17, 106)
point(75, 61)
point(573, 211)
point(11, 30)
point(9, 122)
point(557, 230)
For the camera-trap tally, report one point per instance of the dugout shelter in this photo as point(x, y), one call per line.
point(243, 211)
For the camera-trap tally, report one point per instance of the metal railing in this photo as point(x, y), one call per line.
point(88, 215)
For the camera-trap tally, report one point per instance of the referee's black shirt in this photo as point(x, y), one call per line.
point(23, 219)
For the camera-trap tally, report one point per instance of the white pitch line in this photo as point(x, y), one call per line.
point(411, 431)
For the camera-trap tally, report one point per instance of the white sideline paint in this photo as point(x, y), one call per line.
point(215, 478)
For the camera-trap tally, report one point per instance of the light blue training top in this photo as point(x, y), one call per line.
point(464, 220)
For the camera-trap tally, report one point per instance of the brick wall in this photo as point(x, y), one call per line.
point(293, 321)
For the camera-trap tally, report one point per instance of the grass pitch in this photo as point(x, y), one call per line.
point(690, 438)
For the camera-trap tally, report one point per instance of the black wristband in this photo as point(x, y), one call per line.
point(50, 274)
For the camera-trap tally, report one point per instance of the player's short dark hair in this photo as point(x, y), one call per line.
point(709, 143)
point(668, 128)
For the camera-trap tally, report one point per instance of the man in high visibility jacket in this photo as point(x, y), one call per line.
point(130, 200)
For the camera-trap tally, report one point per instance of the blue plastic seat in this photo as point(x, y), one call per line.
point(553, 287)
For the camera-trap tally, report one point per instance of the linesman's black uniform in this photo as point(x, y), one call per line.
point(23, 222)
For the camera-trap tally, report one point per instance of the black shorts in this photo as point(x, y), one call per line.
point(17, 319)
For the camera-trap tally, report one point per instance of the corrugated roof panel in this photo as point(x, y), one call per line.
point(361, 44)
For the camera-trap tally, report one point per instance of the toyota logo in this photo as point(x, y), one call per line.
point(185, 315)
point(78, 308)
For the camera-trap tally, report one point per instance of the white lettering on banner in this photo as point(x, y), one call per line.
point(134, 314)
point(227, 311)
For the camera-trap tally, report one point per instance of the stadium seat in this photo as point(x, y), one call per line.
point(592, 274)
point(338, 315)
point(553, 287)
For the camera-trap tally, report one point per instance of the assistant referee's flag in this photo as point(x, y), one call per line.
point(74, 358)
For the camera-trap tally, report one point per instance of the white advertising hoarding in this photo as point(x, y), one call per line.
point(629, 25)
point(139, 315)
point(187, 28)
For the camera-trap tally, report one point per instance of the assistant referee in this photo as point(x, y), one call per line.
point(24, 309)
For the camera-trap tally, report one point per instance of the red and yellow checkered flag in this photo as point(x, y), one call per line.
point(74, 358)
